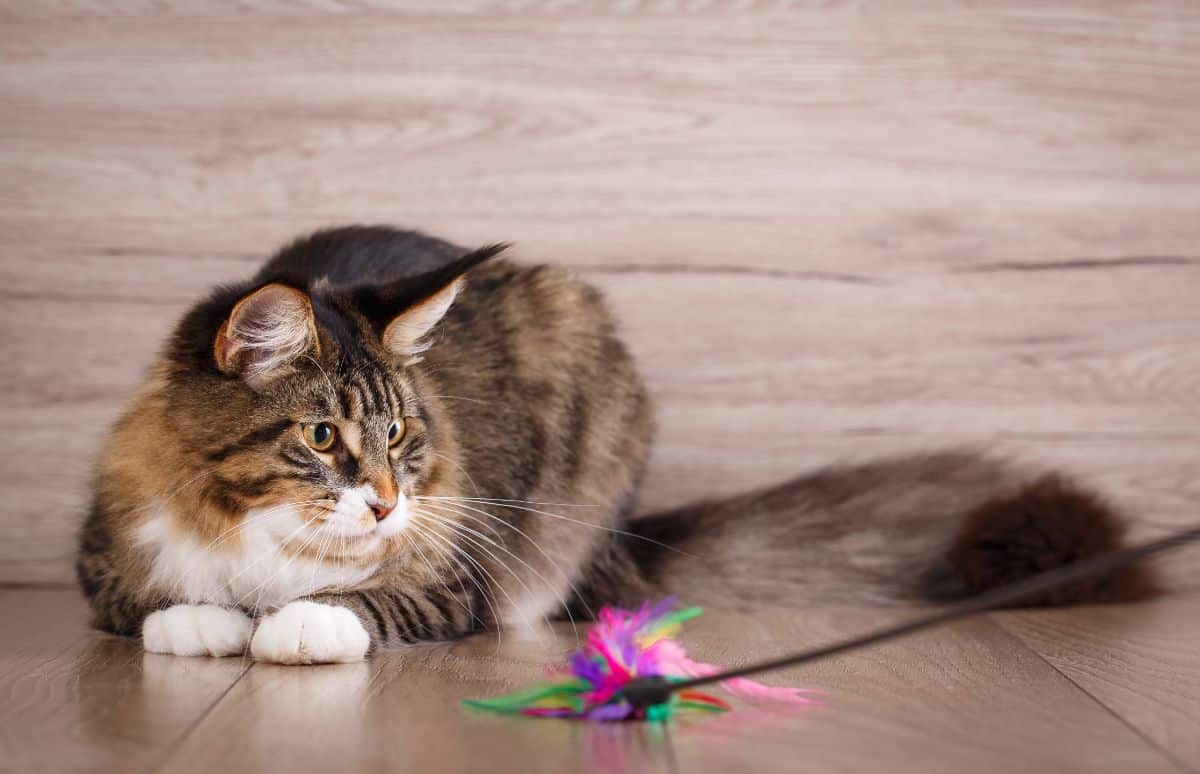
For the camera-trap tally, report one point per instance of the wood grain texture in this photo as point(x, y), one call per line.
point(1141, 662)
point(75, 700)
point(831, 230)
point(971, 697)
point(401, 712)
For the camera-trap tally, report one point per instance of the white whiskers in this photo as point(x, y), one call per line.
point(459, 509)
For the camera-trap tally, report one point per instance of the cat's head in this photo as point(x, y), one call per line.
point(294, 402)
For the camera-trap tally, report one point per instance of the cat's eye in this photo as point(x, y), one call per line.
point(320, 436)
point(395, 432)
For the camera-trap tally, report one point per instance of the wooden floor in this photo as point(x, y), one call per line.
point(1087, 690)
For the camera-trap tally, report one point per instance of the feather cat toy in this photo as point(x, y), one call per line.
point(625, 645)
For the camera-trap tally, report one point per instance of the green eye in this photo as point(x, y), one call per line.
point(320, 435)
point(395, 432)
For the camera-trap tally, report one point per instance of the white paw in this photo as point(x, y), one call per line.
point(310, 633)
point(196, 630)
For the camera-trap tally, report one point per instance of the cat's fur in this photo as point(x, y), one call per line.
point(508, 499)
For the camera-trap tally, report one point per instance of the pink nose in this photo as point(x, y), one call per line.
point(382, 510)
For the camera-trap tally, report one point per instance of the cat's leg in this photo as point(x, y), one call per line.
point(332, 628)
point(132, 610)
point(197, 630)
point(122, 603)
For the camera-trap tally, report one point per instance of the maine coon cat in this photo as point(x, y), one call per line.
point(382, 438)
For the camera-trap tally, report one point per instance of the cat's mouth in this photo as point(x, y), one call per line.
point(358, 515)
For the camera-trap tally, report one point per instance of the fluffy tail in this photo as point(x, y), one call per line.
point(917, 530)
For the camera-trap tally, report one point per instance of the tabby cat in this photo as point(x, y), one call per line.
point(382, 438)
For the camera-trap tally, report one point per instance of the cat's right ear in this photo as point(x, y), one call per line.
point(266, 332)
point(404, 312)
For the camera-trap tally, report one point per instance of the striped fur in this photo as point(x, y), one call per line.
point(208, 494)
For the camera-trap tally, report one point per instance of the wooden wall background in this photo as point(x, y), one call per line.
point(831, 229)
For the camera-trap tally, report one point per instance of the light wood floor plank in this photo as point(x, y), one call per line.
point(1094, 370)
point(969, 698)
point(923, 130)
point(400, 712)
point(1141, 662)
point(965, 698)
point(75, 700)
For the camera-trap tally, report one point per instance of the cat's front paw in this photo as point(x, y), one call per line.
point(197, 630)
point(310, 633)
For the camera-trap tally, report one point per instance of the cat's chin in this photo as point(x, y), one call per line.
point(346, 531)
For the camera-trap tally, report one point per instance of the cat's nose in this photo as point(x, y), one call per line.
point(381, 510)
point(385, 496)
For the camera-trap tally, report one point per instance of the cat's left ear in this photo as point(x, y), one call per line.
point(406, 311)
point(266, 332)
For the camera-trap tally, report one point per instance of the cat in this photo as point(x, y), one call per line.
point(382, 438)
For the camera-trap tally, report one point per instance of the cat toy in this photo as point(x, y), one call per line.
point(623, 646)
point(631, 669)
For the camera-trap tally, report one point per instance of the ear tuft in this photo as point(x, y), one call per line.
point(405, 312)
point(266, 332)
point(405, 334)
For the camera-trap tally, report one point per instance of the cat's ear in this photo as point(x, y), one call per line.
point(405, 333)
point(266, 332)
point(405, 312)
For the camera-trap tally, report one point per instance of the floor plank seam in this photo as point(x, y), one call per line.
point(1179, 764)
point(169, 753)
point(721, 269)
point(1076, 264)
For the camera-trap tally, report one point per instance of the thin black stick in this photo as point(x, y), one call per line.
point(656, 690)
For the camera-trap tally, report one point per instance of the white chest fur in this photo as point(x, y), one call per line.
point(249, 570)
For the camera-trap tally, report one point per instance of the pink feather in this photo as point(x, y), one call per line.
point(675, 658)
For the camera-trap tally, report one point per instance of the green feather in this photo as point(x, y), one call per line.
point(680, 616)
point(568, 692)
